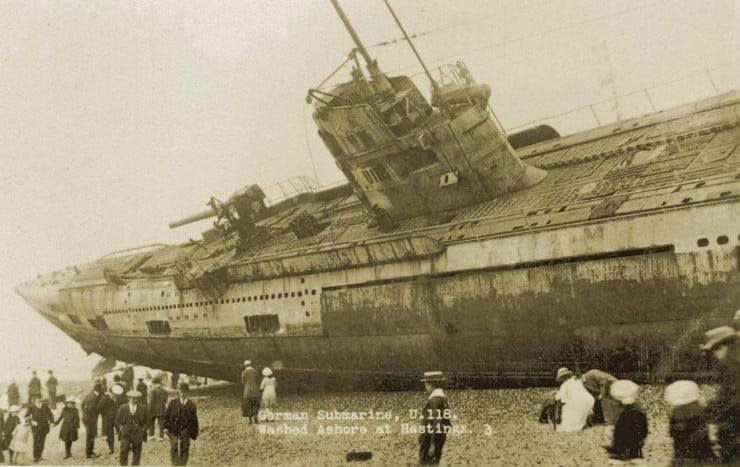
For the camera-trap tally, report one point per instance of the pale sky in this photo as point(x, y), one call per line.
point(119, 117)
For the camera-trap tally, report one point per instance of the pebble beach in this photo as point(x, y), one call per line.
point(492, 427)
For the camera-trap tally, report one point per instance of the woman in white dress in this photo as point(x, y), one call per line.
point(577, 401)
point(268, 386)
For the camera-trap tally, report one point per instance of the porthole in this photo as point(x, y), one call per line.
point(280, 295)
point(313, 292)
point(702, 242)
point(292, 294)
point(300, 293)
point(723, 240)
point(303, 303)
point(272, 296)
point(308, 313)
point(303, 280)
point(249, 299)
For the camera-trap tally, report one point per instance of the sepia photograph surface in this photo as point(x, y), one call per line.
point(388, 232)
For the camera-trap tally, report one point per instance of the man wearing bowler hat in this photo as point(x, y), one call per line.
point(435, 419)
point(181, 425)
point(131, 421)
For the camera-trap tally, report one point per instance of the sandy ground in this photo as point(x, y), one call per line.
point(500, 428)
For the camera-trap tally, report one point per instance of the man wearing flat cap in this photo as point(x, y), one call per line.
point(90, 412)
point(724, 409)
point(108, 408)
point(132, 421)
point(435, 420)
point(181, 425)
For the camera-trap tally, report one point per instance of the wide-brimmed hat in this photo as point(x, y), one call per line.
point(14, 408)
point(266, 371)
point(625, 391)
point(563, 373)
point(71, 400)
point(247, 362)
point(432, 376)
point(133, 394)
point(717, 336)
point(681, 392)
point(116, 389)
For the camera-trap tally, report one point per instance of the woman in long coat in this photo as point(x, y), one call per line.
point(70, 419)
point(251, 395)
point(577, 401)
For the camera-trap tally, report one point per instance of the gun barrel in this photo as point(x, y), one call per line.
point(194, 218)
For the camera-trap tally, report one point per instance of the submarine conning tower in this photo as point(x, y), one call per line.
point(406, 157)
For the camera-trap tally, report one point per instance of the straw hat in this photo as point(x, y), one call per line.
point(116, 389)
point(681, 393)
point(14, 409)
point(247, 362)
point(432, 376)
point(718, 335)
point(71, 400)
point(563, 374)
point(625, 391)
point(266, 371)
point(133, 394)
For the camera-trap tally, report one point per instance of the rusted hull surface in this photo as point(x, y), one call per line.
point(641, 315)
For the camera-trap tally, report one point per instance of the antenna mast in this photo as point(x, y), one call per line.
point(372, 66)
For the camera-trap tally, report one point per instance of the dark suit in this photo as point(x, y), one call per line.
point(181, 423)
point(251, 394)
point(157, 408)
point(34, 388)
point(108, 409)
point(41, 417)
point(436, 421)
point(132, 428)
point(90, 412)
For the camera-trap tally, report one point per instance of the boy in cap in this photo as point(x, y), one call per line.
point(181, 425)
point(435, 420)
point(688, 423)
point(630, 428)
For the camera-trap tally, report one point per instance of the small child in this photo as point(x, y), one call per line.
point(70, 420)
point(630, 428)
point(688, 423)
point(22, 442)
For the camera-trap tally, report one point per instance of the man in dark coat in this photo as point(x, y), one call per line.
point(14, 395)
point(108, 408)
point(41, 418)
point(51, 390)
point(90, 412)
point(34, 388)
point(157, 405)
point(128, 377)
point(251, 394)
point(132, 420)
point(724, 409)
point(435, 420)
point(143, 389)
point(598, 382)
point(181, 425)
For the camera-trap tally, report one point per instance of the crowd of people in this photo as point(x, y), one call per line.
point(126, 413)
